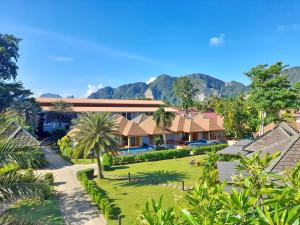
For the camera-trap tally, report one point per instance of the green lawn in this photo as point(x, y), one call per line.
point(170, 171)
point(46, 212)
point(130, 197)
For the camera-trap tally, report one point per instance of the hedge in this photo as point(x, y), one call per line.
point(97, 194)
point(166, 154)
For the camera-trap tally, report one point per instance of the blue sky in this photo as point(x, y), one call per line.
point(72, 47)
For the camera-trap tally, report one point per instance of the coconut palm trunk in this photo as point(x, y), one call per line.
point(100, 174)
point(164, 137)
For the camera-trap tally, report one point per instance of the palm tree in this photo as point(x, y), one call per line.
point(13, 184)
point(60, 112)
point(95, 132)
point(163, 120)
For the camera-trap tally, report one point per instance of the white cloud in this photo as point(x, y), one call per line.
point(217, 40)
point(289, 27)
point(61, 58)
point(151, 79)
point(92, 88)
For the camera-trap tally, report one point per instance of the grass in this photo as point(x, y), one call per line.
point(46, 212)
point(170, 171)
point(129, 198)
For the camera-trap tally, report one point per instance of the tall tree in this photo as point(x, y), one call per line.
point(95, 132)
point(185, 90)
point(60, 112)
point(163, 120)
point(10, 90)
point(270, 92)
point(239, 118)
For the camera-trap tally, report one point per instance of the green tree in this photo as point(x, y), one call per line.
point(239, 118)
point(208, 104)
point(163, 120)
point(185, 90)
point(60, 112)
point(95, 132)
point(270, 92)
point(10, 90)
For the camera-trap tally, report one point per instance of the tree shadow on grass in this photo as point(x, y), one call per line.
point(154, 178)
point(113, 168)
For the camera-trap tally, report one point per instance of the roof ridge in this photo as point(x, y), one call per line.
point(283, 153)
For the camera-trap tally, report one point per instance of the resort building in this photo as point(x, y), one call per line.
point(136, 125)
point(128, 108)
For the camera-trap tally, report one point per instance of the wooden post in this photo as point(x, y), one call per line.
point(182, 185)
point(119, 219)
point(209, 135)
point(190, 137)
point(129, 178)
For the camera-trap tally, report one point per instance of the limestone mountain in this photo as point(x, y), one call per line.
point(162, 88)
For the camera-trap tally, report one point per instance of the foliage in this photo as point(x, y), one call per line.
point(10, 91)
point(107, 161)
point(185, 90)
point(157, 141)
point(154, 214)
point(263, 197)
point(270, 91)
point(49, 178)
point(163, 120)
point(95, 131)
point(165, 154)
point(57, 134)
point(239, 119)
point(209, 104)
point(65, 146)
point(97, 194)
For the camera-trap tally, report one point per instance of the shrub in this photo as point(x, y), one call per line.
point(103, 203)
point(65, 146)
point(88, 172)
point(108, 211)
point(166, 154)
point(96, 193)
point(107, 161)
point(49, 178)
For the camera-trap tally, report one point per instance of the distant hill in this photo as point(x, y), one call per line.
point(50, 95)
point(293, 74)
point(162, 88)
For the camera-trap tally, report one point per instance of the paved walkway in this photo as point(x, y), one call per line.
point(75, 204)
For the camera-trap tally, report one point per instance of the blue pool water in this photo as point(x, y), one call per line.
point(136, 150)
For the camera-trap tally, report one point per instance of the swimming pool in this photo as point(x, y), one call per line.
point(135, 150)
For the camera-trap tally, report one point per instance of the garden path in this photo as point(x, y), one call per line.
point(75, 204)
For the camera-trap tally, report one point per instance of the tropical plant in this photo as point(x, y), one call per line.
point(163, 120)
point(65, 146)
point(107, 161)
point(15, 185)
point(154, 214)
point(60, 112)
point(262, 197)
point(95, 132)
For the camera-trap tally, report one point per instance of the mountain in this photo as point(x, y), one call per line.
point(162, 88)
point(293, 74)
point(50, 95)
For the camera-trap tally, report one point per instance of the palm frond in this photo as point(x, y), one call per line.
point(14, 186)
point(6, 219)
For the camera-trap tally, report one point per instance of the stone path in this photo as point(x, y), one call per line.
point(75, 204)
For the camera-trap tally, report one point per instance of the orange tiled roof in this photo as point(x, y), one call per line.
point(177, 124)
point(208, 124)
point(133, 129)
point(190, 126)
point(149, 125)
